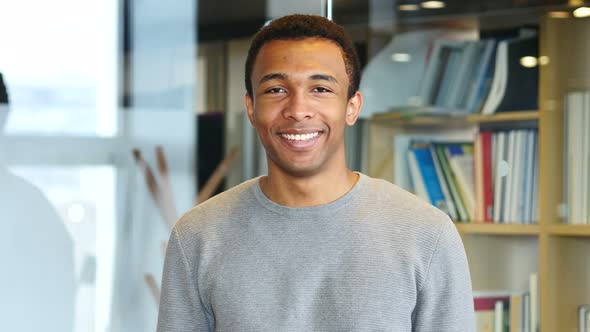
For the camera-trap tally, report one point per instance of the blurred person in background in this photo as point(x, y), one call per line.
point(37, 286)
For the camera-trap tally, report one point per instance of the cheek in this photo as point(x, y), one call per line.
point(261, 119)
point(263, 124)
point(265, 115)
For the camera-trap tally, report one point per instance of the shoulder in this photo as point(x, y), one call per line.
point(413, 221)
point(388, 199)
point(233, 204)
point(419, 228)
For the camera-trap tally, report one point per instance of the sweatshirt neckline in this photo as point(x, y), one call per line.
point(328, 208)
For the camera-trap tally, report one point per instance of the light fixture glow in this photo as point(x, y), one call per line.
point(433, 4)
point(582, 12)
point(528, 61)
point(401, 57)
point(543, 60)
point(408, 7)
point(559, 14)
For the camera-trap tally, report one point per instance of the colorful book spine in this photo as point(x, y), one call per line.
point(488, 187)
point(429, 175)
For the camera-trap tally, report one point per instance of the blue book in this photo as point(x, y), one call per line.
point(484, 73)
point(429, 175)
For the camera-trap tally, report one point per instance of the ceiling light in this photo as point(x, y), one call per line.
point(528, 61)
point(433, 4)
point(408, 7)
point(401, 57)
point(543, 60)
point(559, 14)
point(582, 12)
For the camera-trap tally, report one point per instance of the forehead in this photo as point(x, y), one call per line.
point(300, 55)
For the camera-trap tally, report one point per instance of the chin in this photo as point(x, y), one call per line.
point(298, 171)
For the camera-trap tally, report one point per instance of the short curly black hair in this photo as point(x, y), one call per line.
point(298, 27)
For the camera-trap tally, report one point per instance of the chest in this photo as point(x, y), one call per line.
point(312, 275)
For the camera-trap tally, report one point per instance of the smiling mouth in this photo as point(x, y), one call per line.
point(301, 137)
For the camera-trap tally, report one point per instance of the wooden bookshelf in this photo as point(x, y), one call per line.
point(564, 260)
point(416, 118)
point(498, 229)
point(505, 117)
point(502, 256)
point(569, 230)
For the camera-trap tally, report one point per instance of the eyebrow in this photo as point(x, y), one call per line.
point(273, 76)
point(282, 76)
point(324, 77)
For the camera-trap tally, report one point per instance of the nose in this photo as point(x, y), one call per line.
point(298, 108)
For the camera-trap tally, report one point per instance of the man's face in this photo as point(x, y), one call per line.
point(300, 105)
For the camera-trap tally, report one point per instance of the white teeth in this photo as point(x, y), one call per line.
point(300, 137)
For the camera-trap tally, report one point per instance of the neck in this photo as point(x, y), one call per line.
point(307, 191)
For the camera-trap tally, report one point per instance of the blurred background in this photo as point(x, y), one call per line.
point(117, 113)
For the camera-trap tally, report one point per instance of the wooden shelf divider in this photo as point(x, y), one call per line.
point(569, 230)
point(498, 229)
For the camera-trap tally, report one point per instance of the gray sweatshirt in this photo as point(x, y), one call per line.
point(376, 259)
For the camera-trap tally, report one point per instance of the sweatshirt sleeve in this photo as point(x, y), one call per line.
point(180, 305)
point(445, 300)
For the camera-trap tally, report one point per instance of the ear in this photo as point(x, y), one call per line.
point(353, 108)
point(249, 105)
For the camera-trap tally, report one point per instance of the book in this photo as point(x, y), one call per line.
point(478, 178)
point(514, 85)
point(522, 82)
point(466, 74)
point(416, 177)
point(516, 315)
point(516, 193)
point(500, 174)
point(451, 182)
point(535, 191)
point(401, 169)
point(534, 305)
point(434, 72)
point(501, 324)
point(577, 157)
point(488, 190)
point(401, 144)
point(501, 310)
point(480, 84)
point(388, 84)
point(428, 175)
point(509, 185)
point(444, 186)
point(452, 68)
point(532, 180)
point(584, 318)
point(461, 161)
point(485, 309)
point(498, 85)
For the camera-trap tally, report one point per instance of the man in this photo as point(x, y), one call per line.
point(312, 246)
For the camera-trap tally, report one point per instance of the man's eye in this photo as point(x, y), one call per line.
point(275, 90)
point(321, 89)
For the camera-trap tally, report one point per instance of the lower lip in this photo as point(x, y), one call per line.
point(301, 145)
